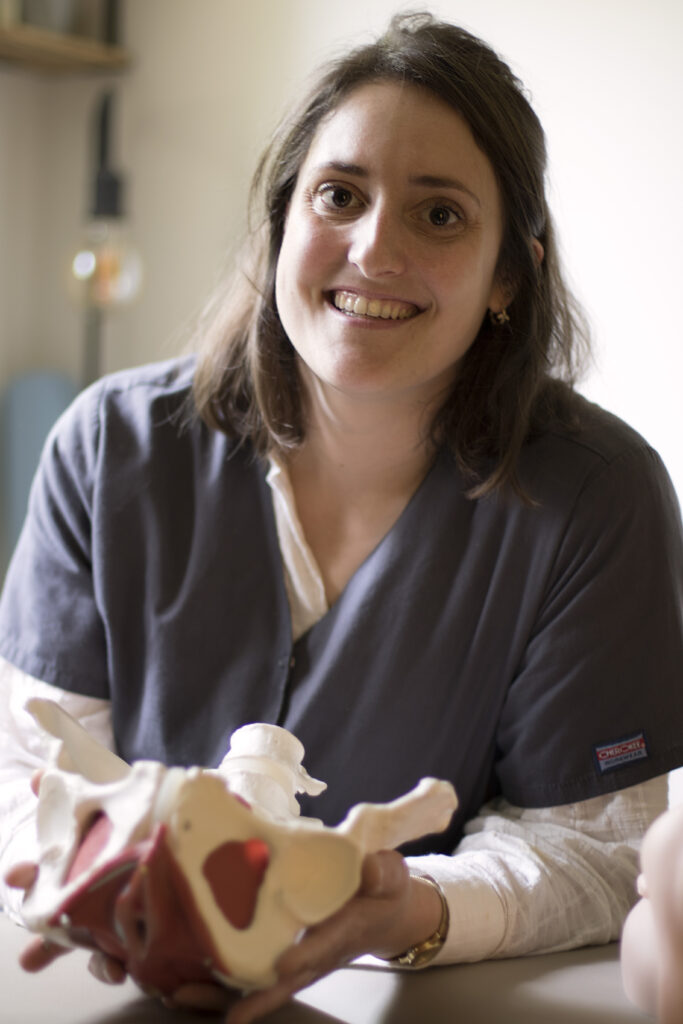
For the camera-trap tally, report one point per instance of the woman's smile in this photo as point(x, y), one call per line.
point(368, 308)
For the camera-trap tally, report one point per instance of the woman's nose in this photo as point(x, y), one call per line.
point(377, 244)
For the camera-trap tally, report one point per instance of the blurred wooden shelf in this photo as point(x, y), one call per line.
point(38, 49)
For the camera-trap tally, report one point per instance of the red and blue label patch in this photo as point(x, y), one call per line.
point(609, 756)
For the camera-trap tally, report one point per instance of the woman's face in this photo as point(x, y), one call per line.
point(388, 260)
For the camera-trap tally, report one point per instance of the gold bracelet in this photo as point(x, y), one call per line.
point(424, 952)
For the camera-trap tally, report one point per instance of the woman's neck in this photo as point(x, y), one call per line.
point(359, 466)
point(362, 446)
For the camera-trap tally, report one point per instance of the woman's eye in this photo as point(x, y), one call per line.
point(335, 197)
point(442, 216)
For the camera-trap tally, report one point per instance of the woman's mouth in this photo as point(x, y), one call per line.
point(382, 309)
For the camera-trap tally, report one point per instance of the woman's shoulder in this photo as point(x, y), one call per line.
point(137, 419)
point(141, 386)
point(581, 440)
point(130, 393)
point(588, 455)
point(586, 427)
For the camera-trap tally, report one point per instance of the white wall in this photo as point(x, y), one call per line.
point(211, 76)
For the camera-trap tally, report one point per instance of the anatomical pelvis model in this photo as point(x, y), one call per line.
point(198, 874)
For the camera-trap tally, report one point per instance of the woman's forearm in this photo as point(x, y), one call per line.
point(531, 881)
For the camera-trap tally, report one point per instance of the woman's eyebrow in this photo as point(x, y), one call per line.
point(425, 180)
point(342, 168)
point(436, 181)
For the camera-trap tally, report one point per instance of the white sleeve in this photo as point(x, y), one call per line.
point(540, 880)
point(24, 749)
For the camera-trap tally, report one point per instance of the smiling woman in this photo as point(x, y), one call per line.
point(373, 510)
point(470, 130)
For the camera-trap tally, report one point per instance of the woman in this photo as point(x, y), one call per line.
point(481, 570)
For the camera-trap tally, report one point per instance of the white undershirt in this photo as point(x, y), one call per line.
point(521, 880)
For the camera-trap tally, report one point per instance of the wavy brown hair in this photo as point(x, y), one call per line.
point(515, 378)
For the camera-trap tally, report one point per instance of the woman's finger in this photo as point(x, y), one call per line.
point(201, 996)
point(22, 876)
point(258, 1004)
point(384, 874)
point(107, 969)
point(40, 953)
point(35, 781)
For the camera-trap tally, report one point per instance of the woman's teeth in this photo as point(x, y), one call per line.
point(384, 309)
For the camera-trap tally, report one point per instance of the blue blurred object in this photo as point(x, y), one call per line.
point(30, 406)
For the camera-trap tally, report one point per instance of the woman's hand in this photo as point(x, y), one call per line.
point(40, 953)
point(389, 913)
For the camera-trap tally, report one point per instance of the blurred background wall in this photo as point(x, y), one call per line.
point(209, 79)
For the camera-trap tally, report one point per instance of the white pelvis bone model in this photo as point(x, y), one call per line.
point(196, 874)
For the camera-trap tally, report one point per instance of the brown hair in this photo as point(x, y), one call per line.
point(509, 384)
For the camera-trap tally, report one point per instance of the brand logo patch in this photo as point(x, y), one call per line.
point(614, 755)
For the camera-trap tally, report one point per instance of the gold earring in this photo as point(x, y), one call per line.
point(499, 317)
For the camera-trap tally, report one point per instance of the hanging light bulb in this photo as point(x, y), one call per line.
point(106, 269)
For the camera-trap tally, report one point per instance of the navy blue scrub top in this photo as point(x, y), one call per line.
point(533, 651)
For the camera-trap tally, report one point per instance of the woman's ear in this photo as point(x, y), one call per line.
point(539, 251)
point(504, 289)
point(502, 294)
